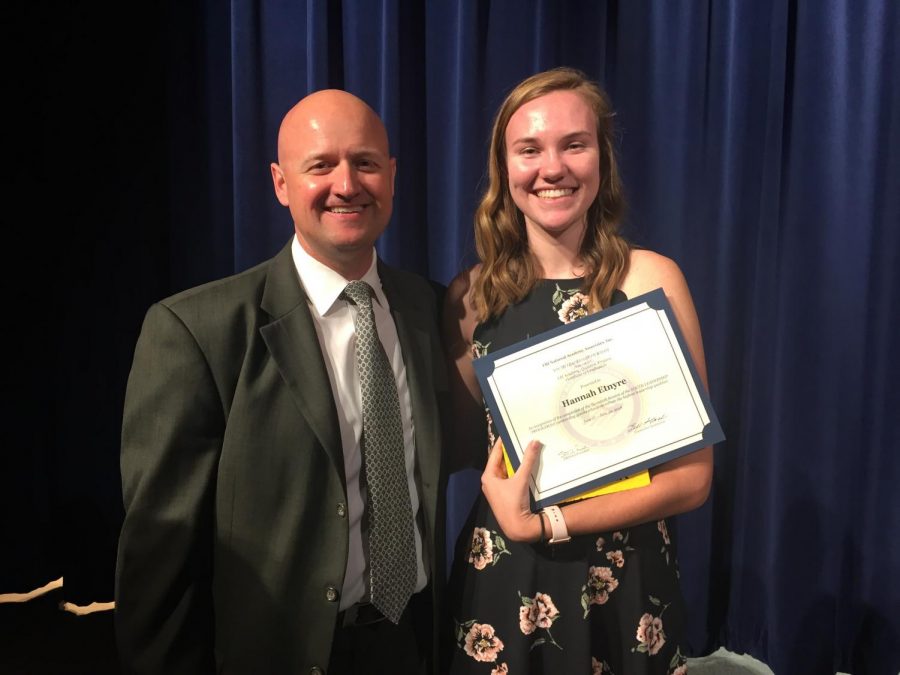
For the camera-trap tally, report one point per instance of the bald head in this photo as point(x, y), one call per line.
point(316, 111)
point(336, 175)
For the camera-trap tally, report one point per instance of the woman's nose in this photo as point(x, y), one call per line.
point(552, 168)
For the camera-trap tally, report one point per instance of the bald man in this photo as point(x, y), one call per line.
point(244, 547)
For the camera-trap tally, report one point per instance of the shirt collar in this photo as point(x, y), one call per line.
point(324, 286)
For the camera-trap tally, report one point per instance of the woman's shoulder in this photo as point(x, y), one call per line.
point(648, 270)
point(460, 317)
point(460, 288)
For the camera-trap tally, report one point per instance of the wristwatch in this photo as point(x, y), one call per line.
point(557, 525)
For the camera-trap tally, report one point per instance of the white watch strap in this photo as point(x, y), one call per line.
point(557, 525)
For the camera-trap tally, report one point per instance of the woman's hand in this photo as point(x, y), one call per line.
point(508, 495)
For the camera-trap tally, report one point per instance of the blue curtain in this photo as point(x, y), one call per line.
point(760, 146)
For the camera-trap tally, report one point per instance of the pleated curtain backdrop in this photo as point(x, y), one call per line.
point(760, 148)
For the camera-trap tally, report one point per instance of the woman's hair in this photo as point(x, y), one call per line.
point(508, 270)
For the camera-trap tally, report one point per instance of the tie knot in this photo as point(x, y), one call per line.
point(360, 293)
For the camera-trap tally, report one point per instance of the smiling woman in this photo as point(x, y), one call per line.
point(552, 160)
point(547, 235)
point(552, 143)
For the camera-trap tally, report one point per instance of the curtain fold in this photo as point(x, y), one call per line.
point(760, 149)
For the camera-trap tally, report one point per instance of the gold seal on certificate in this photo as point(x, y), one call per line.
point(608, 396)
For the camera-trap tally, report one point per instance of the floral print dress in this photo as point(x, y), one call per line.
point(604, 603)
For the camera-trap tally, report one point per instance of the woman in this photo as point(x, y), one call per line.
point(546, 230)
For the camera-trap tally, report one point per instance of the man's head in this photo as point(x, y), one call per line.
point(336, 176)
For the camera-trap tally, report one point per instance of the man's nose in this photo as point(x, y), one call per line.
point(346, 184)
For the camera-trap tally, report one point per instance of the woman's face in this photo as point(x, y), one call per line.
point(553, 162)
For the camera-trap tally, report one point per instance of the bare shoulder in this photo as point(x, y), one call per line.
point(460, 288)
point(459, 313)
point(648, 270)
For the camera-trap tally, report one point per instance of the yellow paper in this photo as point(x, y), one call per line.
point(640, 479)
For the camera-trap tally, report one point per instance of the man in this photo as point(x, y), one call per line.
point(249, 457)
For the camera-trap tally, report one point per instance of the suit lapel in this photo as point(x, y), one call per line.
point(294, 345)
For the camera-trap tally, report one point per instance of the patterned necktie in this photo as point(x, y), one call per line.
point(392, 548)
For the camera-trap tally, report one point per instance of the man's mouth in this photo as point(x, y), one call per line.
point(345, 209)
point(555, 193)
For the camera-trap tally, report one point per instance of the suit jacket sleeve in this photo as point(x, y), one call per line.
point(171, 438)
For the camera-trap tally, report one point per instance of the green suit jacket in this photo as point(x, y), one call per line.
point(235, 535)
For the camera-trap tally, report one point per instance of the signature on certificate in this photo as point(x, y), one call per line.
point(646, 423)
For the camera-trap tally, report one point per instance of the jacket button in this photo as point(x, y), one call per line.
point(341, 509)
point(331, 594)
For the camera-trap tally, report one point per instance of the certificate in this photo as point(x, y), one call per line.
point(608, 396)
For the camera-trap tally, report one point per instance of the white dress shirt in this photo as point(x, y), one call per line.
point(334, 320)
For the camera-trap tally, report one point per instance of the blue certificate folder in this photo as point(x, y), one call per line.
point(653, 307)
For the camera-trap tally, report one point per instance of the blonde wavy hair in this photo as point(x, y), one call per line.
point(508, 270)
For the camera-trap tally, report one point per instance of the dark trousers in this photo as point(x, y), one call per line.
point(367, 643)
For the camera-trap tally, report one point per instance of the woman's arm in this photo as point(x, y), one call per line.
point(468, 437)
point(677, 486)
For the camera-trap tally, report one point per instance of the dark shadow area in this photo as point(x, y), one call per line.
point(85, 256)
point(38, 638)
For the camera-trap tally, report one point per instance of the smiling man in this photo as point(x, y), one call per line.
point(336, 176)
point(281, 493)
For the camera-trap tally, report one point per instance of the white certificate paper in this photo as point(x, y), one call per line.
point(608, 395)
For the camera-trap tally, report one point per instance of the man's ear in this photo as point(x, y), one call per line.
point(393, 173)
point(279, 184)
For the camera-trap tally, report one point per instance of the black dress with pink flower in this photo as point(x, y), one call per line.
point(608, 602)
